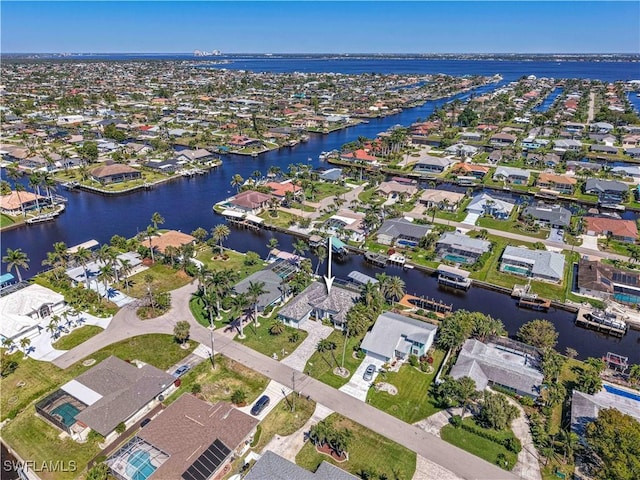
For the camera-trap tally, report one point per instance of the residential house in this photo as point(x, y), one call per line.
point(271, 466)
point(393, 189)
point(395, 337)
point(502, 139)
point(582, 166)
point(14, 202)
point(555, 216)
point(331, 175)
point(250, 201)
point(190, 440)
point(280, 189)
point(470, 169)
point(514, 366)
point(622, 230)
point(485, 204)
point(609, 191)
point(495, 157)
point(200, 155)
point(401, 232)
point(27, 311)
point(568, 144)
point(172, 238)
point(315, 301)
point(604, 281)
point(441, 199)
point(604, 149)
point(346, 221)
point(585, 408)
point(459, 248)
point(462, 150)
point(632, 171)
point(535, 264)
point(242, 141)
point(432, 165)
point(515, 176)
point(115, 173)
point(472, 136)
point(559, 183)
point(273, 283)
point(110, 393)
point(551, 160)
point(359, 155)
point(601, 127)
point(632, 152)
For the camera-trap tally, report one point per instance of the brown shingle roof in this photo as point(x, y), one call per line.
point(12, 202)
point(172, 238)
point(113, 169)
point(251, 199)
point(557, 179)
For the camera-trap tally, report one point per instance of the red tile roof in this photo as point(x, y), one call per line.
point(617, 227)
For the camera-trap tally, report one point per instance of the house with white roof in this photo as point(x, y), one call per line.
point(516, 176)
point(536, 264)
point(485, 204)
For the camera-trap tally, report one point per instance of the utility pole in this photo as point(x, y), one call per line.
point(344, 348)
point(293, 394)
point(213, 354)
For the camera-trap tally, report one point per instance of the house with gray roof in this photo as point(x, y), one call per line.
point(431, 164)
point(463, 150)
point(112, 392)
point(395, 336)
point(272, 286)
point(585, 408)
point(485, 204)
point(457, 247)
point(536, 264)
point(271, 466)
point(495, 364)
point(555, 216)
point(568, 144)
point(314, 301)
point(402, 232)
point(516, 176)
point(608, 191)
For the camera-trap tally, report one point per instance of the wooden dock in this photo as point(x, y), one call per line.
point(412, 301)
point(526, 299)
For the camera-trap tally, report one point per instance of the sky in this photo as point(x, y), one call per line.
point(320, 27)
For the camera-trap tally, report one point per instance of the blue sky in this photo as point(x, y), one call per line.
point(321, 27)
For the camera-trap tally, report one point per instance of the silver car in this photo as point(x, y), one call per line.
point(368, 373)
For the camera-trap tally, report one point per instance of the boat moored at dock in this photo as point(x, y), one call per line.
point(453, 277)
point(602, 321)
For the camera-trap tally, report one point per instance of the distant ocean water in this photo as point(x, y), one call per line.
point(510, 70)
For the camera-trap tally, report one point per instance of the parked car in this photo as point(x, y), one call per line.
point(368, 373)
point(181, 371)
point(144, 422)
point(260, 405)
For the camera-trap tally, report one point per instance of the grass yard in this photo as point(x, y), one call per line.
point(456, 216)
point(260, 340)
point(283, 220)
point(220, 384)
point(324, 190)
point(165, 279)
point(6, 220)
point(320, 366)
point(235, 262)
point(282, 421)
point(367, 450)
point(76, 337)
point(479, 446)
point(413, 401)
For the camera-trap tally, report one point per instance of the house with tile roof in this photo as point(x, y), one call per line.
point(618, 229)
point(485, 204)
point(115, 173)
point(250, 201)
point(602, 280)
point(559, 183)
point(14, 202)
point(401, 231)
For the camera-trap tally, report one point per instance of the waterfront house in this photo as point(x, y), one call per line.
point(535, 264)
point(110, 393)
point(495, 157)
point(559, 183)
point(200, 155)
point(604, 281)
point(632, 152)
point(470, 169)
point(604, 149)
point(505, 363)
point(632, 171)
point(242, 141)
point(14, 202)
point(393, 189)
point(359, 155)
point(471, 136)
point(515, 176)
point(273, 283)
point(280, 189)
point(331, 175)
point(622, 230)
point(115, 173)
point(461, 150)
point(172, 238)
point(583, 167)
point(609, 192)
point(190, 440)
point(555, 216)
point(567, 144)
point(250, 201)
point(429, 164)
point(441, 199)
point(346, 222)
point(459, 248)
point(485, 204)
point(502, 139)
point(271, 466)
point(401, 232)
point(315, 302)
point(25, 312)
point(585, 408)
point(395, 337)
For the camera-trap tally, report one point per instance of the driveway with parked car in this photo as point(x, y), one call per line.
point(359, 384)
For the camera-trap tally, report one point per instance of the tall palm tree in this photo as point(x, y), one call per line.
point(15, 260)
point(273, 243)
point(20, 188)
point(321, 253)
point(254, 291)
point(82, 256)
point(105, 275)
point(240, 303)
point(395, 288)
point(156, 219)
point(220, 283)
point(299, 247)
point(326, 345)
point(125, 269)
point(49, 184)
point(34, 183)
point(220, 233)
point(236, 181)
point(150, 231)
point(14, 174)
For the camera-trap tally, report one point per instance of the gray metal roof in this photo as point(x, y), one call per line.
point(484, 363)
point(361, 278)
point(511, 171)
point(272, 283)
point(555, 215)
point(462, 242)
point(585, 407)
point(388, 332)
point(272, 466)
point(544, 263)
point(431, 160)
point(397, 227)
point(597, 185)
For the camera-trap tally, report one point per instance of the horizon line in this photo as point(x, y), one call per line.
point(319, 53)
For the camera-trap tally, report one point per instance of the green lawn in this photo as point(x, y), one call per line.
point(321, 366)
point(325, 189)
point(76, 337)
point(282, 421)
point(367, 450)
point(235, 262)
point(262, 341)
point(456, 216)
point(165, 279)
point(283, 220)
point(368, 197)
point(512, 226)
point(6, 220)
point(413, 401)
point(477, 445)
point(220, 384)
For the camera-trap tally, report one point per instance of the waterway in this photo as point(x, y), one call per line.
point(547, 102)
point(187, 204)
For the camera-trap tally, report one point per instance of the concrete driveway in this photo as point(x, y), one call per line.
point(316, 332)
point(276, 393)
point(471, 218)
point(556, 236)
point(358, 387)
point(589, 241)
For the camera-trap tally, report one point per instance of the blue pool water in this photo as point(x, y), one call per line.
point(518, 270)
point(627, 298)
point(455, 258)
point(622, 393)
point(406, 243)
point(140, 467)
point(67, 412)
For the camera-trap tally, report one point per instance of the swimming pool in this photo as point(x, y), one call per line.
point(516, 270)
point(406, 243)
point(67, 413)
point(626, 297)
point(140, 467)
point(622, 393)
point(455, 258)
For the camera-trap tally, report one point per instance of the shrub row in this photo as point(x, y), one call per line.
point(511, 443)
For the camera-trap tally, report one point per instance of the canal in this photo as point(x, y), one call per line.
point(186, 204)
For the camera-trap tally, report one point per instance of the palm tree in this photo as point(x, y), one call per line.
point(236, 181)
point(395, 288)
point(52, 327)
point(20, 188)
point(300, 246)
point(82, 256)
point(14, 174)
point(256, 175)
point(125, 269)
point(34, 183)
point(156, 219)
point(240, 303)
point(273, 243)
point(220, 283)
point(276, 328)
point(148, 280)
point(321, 253)
point(15, 260)
point(371, 296)
point(326, 345)
point(150, 231)
point(24, 344)
point(254, 291)
point(220, 233)
point(105, 275)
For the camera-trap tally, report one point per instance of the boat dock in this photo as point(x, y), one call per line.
point(601, 321)
point(438, 306)
point(453, 277)
point(243, 220)
point(527, 299)
point(377, 259)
